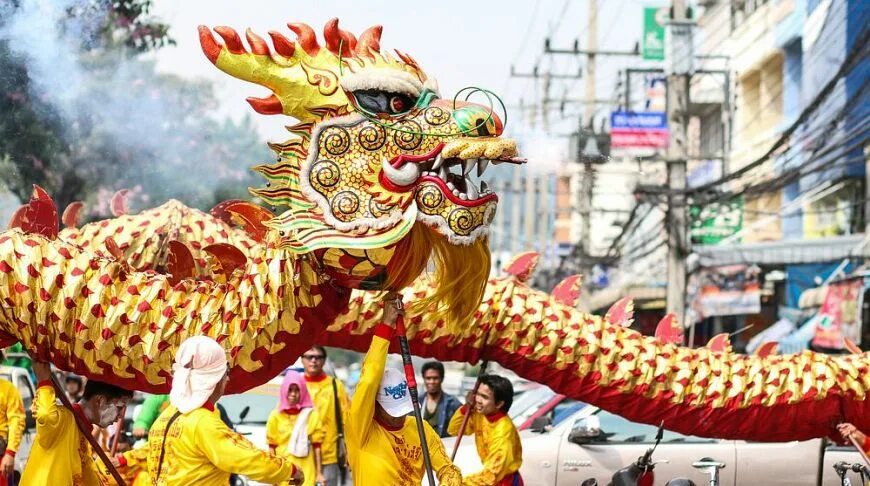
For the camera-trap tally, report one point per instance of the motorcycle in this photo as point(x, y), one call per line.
point(843, 469)
point(641, 472)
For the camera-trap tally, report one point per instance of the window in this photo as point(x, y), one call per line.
point(26, 392)
point(615, 429)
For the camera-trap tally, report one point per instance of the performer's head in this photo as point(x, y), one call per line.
point(495, 394)
point(433, 376)
point(73, 385)
point(200, 373)
point(294, 393)
point(313, 361)
point(103, 403)
point(394, 400)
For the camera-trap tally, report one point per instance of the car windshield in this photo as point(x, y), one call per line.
point(527, 403)
point(261, 400)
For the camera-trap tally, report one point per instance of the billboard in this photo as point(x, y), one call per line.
point(645, 129)
point(716, 221)
point(727, 291)
point(840, 315)
point(654, 19)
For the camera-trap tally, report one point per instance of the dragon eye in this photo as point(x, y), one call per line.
point(379, 102)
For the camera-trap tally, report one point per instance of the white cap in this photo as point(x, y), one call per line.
point(393, 394)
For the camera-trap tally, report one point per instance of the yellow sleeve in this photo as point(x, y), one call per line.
point(447, 473)
point(344, 403)
point(456, 422)
point(362, 408)
point(501, 456)
point(272, 429)
point(316, 434)
point(136, 458)
point(15, 418)
point(47, 416)
point(231, 452)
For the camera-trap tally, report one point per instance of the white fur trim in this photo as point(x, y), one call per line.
point(432, 84)
point(382, 79)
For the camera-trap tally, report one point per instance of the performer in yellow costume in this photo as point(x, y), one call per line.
point(11, 425)
point(294, 430)
point(327, 393)
point(61, 455)
point(383, 443)
point(189, 444)
point(498, 443)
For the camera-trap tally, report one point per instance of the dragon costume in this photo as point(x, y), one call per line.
point(377, 187)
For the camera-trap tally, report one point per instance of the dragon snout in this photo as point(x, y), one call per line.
point(474, 120)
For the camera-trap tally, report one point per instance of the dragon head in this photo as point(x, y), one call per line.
point(382, 170)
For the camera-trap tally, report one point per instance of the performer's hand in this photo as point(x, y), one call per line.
point(139, 432)
point(116, 462)
point(7, 465)
point(392, 308)
point(848, 430)
point(42, 370)
point(470, 400)
point(321, 479)
point(298, 477)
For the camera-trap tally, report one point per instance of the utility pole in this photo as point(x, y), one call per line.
point(587, 186)
point(678, 72)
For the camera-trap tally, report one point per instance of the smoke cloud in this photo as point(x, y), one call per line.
point(133, 125)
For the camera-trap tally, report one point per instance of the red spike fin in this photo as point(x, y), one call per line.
point(228, 257)
point(231, 39)
point(220, 210)
point(118, 204)
point(766, 349)
point(851, 346)
point(720, 343)
point(251, 217)
point(522, 265)
point(17, 219)
point(39, 215)
point(114, 250)
point(336, 38)
point(180, 264)
point(669, 330)
point(283, 45)
point(210, 46)
point(567, 291)
point(71, 214)
point(307, 39)
point(370, 40)
point(257, 43)
point(621, 313)
point(266, 106)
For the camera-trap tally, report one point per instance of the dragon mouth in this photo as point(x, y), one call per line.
point(461, 180)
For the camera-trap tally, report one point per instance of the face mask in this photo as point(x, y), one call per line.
point(108, 415)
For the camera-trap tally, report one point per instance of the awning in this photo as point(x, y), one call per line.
point(784, 252)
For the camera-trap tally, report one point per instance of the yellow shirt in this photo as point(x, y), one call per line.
point(498, 445)
point(324, 402)
point(279, 428)
point(61, 456)
point(11, 416)
point(378, 455)
point(202, 451)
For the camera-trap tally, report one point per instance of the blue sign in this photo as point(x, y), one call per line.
point(646, 129)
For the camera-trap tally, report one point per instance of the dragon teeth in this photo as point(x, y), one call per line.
point(481, 166)
point(442, 172)
point(438, 162)
point(473, 193)
point(456, 192)
point(467, 165)
point(484, 187)
point(463, 196)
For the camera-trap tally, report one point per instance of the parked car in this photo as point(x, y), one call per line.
point(571, 451)
point(20, 377)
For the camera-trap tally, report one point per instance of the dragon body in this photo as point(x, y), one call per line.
point(377, 184)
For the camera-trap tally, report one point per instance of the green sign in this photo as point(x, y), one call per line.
point(714, 222)
point(654, 33)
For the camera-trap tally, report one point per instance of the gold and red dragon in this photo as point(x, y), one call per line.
point(376, 182)
point(380, 175)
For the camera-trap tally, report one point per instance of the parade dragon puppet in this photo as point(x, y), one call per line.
point(378, 189)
